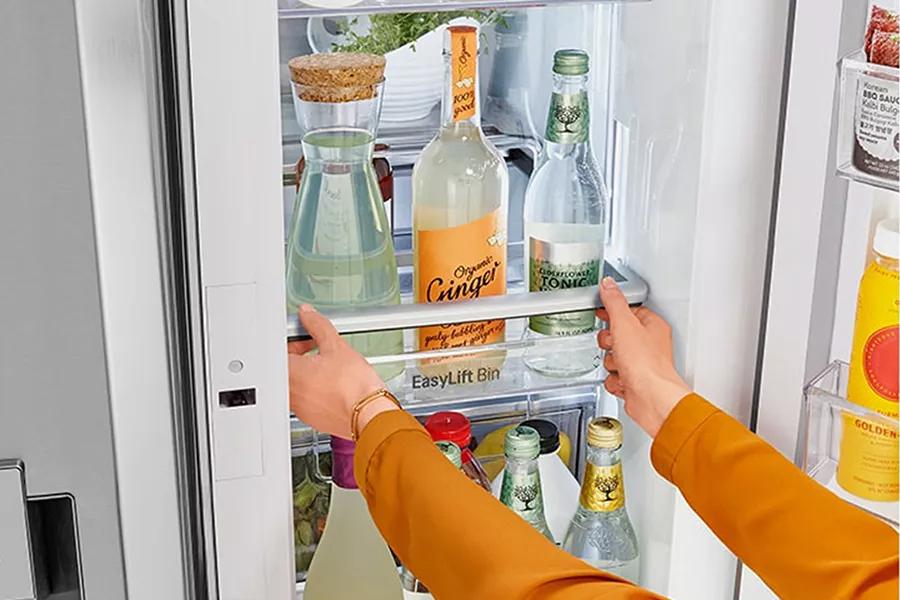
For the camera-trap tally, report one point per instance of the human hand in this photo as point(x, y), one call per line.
point(325, 386)
point(638, 346)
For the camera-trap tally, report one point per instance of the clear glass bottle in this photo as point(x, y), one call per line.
point(601, 533)
point(352, 560)
point(521, 489)
point(565, 207)
point(340, 252)
point(412, 587)
point(559, 488)
point(460, 189)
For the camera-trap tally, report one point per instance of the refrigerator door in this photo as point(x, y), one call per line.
point(821, 235)
point(696, 137)
point(686, 124)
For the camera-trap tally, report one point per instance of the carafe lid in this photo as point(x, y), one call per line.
point(604, 432)
point(887, 238)
point(451, 426)
point(548, 431)
point(336, 77)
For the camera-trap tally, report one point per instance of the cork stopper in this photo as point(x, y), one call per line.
point(336, 76)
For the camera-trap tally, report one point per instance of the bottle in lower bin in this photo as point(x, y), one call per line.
point(455, 427)
point(601, 533)
point(521, 488)
point(352, 560)
point(412, 587)
point(559, 487)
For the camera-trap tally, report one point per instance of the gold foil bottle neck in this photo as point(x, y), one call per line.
point(604, 432)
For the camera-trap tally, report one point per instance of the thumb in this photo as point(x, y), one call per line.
point(614, 302)
point(319, 327)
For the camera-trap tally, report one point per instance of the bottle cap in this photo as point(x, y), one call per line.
point(522, 442)
point(342, 451)
point(887, 238)
point(451, 451)
point(450, 426)
point(548, 431)
point(570, 62)
point(604, 432)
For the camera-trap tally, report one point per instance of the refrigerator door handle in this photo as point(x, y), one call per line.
point(407, 316)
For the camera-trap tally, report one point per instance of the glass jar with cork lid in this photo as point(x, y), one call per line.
point(339, 250)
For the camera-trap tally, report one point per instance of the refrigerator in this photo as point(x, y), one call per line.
point(148, 178)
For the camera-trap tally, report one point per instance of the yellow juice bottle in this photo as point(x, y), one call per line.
point(868, 463)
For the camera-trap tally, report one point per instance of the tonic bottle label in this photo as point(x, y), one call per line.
point(522, 493)
point(569, 119)
point(602, 490)
point(559, 266)
point(463, 69)
point(462, 263)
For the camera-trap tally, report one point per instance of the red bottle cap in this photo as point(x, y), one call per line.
point(450, 426)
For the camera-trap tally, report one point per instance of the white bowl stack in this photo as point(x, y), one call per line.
point(414, 74)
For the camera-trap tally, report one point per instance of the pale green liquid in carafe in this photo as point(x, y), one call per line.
point(340, 253)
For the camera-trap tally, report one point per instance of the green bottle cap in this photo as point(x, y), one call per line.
point(522, 442)
point(570, 62)
point(451, 451)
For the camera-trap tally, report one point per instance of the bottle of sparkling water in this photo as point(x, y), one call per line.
point(565, 206)
point(412, 587)
point(559, 488)
point(601, 533)
point(521, 489)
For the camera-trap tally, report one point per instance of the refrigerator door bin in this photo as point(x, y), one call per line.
point(867, 123)
point(823, 442)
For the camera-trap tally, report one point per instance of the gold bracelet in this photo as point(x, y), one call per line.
point(361, 404)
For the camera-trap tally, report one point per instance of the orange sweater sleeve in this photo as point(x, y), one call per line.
point(801, 539)
point(457, 538)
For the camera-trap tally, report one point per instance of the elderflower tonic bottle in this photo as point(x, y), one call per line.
point(521, 490)
point(565, 207)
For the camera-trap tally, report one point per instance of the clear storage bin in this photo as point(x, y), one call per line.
point(826, 414)
point(868, 133)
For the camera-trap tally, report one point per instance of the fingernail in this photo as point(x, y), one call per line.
point(608, 283)
point(306, 308)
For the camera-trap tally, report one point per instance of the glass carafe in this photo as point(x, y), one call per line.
point(339, 249)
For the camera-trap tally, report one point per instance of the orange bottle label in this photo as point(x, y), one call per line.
point(463, 65)
point(876, 345)
point(462, 263)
